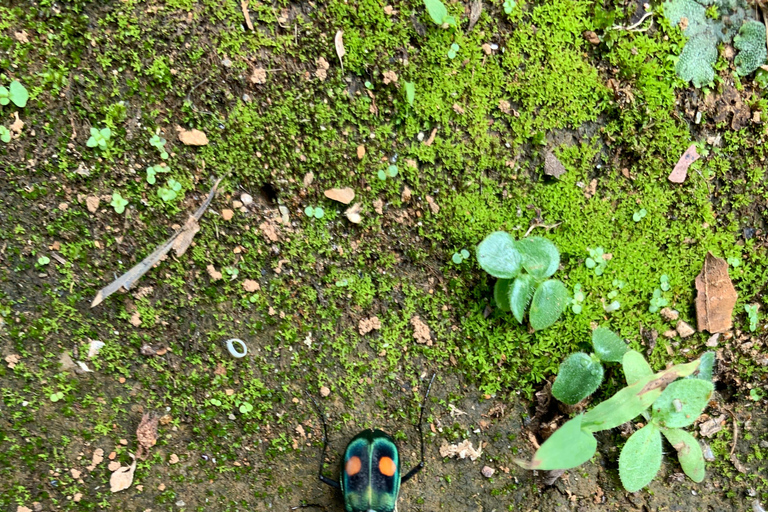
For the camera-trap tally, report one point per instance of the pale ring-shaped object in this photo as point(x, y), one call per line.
point(232, 350)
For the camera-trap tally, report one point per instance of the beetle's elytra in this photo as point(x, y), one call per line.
point(370, 469)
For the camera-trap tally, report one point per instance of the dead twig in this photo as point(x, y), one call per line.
point(541, 225)
point(633, 27)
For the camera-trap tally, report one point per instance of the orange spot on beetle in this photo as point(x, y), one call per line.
point(387, 466)
point(353, 466)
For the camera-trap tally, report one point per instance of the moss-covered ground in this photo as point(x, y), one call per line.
point(285, 122)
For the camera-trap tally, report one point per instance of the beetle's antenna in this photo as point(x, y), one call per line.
point(320, 475)
point(421, 464)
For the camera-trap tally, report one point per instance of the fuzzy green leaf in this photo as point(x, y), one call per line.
point(436, 10)
point(567, 448)
point(501, 293)
point(578, 377)
point(688, 452)
point(540, 256)
point(682, 402)
point(5, 134)
point(706, 366)
point(548, 303)
point(629, 402)
point(498, 256)
point(635, 366)
point(520, 294)
point(608, 345)
point(19, 94)
point(410, 92)
point(640, 458)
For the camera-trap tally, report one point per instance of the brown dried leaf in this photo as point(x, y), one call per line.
point(353, 213)
point(715, 296)
point(146, 434)
point(360, 152)
point(259, 76)
point(192, 137)
point(188, 232)
point(680, 172)
point(92, 203)
point(215, 274)
point(250, 285)
point(342, 195)
point(475, 10)
point(123, 477)
point(244, 7)
point(340, 51)
point(16, 126)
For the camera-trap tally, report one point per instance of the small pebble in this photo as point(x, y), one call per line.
point(324, 391)
point(684, 330)
point(712, 341)
point(180, 503)
point(246, 199)
point(226, 63)
point(488, 471)
point(670, 314)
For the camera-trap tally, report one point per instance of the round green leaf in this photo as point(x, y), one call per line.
point(548, 304)
point(520, 294)
point(578, 377)
point(635, 367)
point(501, 293)
point(640, 458)
point(19, 94)
point(540, 256)
point(567, 448)
point(498, 256)
point(688, 452)
point(682, 402)
point(608, 345)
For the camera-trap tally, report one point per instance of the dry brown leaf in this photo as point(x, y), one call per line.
point(462, 450)
point(227, 214)
point(123, 477)
point(591, 189)
point(353, 213)
point(192, 137)
point(135, 319)
point(342, 195)
point(244, 7)
point(179, 241)
point(360, 152)
point(22, 36)
point(250, 285)
point(680, 172)
point(367, 325)
point(340, 51)
point(259, 76)
point(715, 297)
point(552, 166)
point(421, 331)
point(308, 179)
point(146, 434)
point(215, 274)
point(16, 126)
point(475, 10)
point(270, 230)
point(92, 203)
point(431, 138)
point(390, 77)
point(591, 37)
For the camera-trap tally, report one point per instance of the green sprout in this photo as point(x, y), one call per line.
point(5, 134)
point(751, 310)
point(43, 260)
point(453, 51)
point(657, 301)
point(439, 13)
point(16, 93)
point(55, 397)
point(664, 282)
point(233, 272)
point(391, 172)
point(215, 401)
point(523, 268)
point(638, 216)
point(99, 138)
point(245, 408)
point(153, 170)
point(734, 261)
point(314, 211)
point(410, 92)
point(460, 256)
point(578, 298)
point(118, 203)
point(597, 260)
point(170, 191)
point(159, 143)
point(509, 5)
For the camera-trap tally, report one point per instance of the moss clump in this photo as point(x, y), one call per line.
point(696, 61)
point(751, 43)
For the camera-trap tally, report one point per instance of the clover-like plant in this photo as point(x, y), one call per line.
point(509, 5)
point(578, 298)
point(153, 171)
point(581, 374)
point(118, 202)
point(390, 172)
point(453, 51)
point(657, 301)
point(596, 260)
point(439, 13)
point(523, 268)
point(15, 93)
point(460, 256)
point(314, 211)
point(171, 190)
point(667, 401)
point(751, 310)
point(99, 138)
point(5, 134)
point(639, 215)
point(159, 143)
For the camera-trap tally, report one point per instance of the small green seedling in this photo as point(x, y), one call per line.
point(523, 268)
point(668, 401)
point(581, 374)
point(390, 172)
point(509, 5)
point(314, 211)
point(232, 272)
point(454, 50)
point(118, 203)
point(245, 408)
point(578, 298)
point(5, 134)
point(657, 301)
point(751, 310)
point(597, 260)
point(639, 215)
point(342, 283)
point(159, 143)
point(99, 138)
point(410, 92)
point(734, 261)
point(215, 401)
point(756, 394)
point(55, 397)
point(153, 171)
point(614, 304)
point(439, 13)
point(664, 282)
point(460, 256)
point(15, 93)
point(43, 260)
point(171, 191)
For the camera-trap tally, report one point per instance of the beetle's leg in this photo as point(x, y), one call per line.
point(320, 475)
point(309, 505)
point(421, 464)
